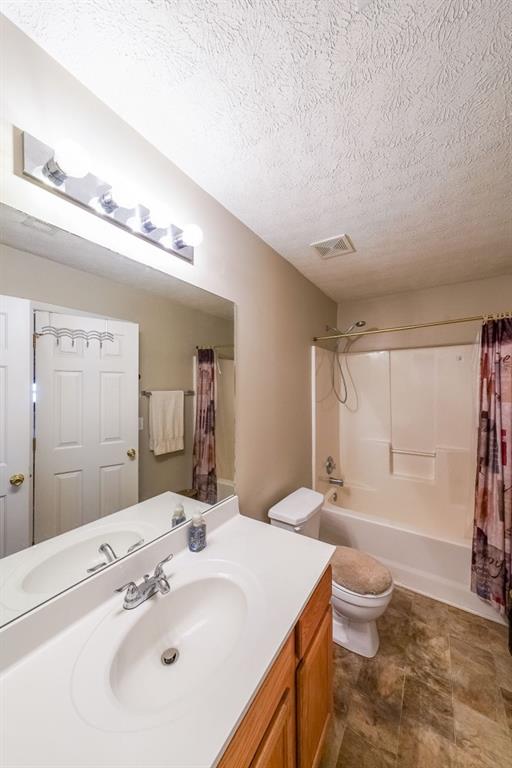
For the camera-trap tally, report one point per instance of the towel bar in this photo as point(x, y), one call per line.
point(187, 392)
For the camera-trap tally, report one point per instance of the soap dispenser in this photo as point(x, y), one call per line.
point(197, 532)
point(178, 516)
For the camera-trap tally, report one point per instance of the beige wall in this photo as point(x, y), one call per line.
point(441, 303)
point(278, 310)
point(169, 333)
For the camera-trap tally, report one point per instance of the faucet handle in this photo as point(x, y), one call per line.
point(131, 587)
point(159, 571)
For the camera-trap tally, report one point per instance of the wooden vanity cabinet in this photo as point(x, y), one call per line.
point(277, 748)
point(287, 722)
point(314, 696)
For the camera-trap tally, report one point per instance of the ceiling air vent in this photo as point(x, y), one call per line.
point(334, 246)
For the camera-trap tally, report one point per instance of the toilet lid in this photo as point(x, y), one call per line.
point(359, 572)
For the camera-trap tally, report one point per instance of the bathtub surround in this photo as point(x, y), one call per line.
point(406, 447)
point(491, 570)
point(278, 310)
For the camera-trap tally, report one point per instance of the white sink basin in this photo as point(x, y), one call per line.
point(70, 564)
point(202, 620)
point(38, 573)
point(120, 681)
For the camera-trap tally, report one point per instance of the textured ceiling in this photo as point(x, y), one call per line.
point(308, 119)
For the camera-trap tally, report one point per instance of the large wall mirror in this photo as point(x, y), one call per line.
point(117, 411)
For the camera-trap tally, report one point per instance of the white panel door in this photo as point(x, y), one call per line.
point(86, 423)
point(15, 424)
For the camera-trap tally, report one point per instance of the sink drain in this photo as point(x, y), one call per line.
point(170, 656)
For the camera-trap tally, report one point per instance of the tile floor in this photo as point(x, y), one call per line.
point(437, 695)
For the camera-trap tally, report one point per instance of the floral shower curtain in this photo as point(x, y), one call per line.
point(491, 571)
point(204, 474)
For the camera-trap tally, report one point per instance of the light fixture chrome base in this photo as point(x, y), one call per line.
point(93, 193)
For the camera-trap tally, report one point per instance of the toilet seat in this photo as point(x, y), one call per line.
point(360, 573)
point(356, 598)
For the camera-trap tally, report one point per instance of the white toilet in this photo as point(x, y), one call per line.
point(361, 586)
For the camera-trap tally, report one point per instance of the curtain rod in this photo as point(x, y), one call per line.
point(474, 318)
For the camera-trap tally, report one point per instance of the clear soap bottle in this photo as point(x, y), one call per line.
point(197, 533)
point(178, 516)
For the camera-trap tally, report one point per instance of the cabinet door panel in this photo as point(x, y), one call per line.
point(314, 695)
point(277, 750)
point(246, 742)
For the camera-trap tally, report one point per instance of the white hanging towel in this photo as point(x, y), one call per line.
point(166, 422)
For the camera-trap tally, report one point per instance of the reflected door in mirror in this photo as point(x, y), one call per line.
point(86, 422)
point(15, 497)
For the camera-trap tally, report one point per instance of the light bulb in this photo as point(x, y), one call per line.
point(123, 196)
point(168, 242)
point(192, 235)
point(71, 159)
point(160, 216)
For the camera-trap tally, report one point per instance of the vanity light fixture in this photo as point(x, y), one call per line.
point(65, 170)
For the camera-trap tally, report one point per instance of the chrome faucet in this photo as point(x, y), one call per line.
point(107, 550)
point(109, 555)
point(139, 593)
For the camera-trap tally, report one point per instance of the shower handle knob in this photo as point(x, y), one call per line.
point(330, 465)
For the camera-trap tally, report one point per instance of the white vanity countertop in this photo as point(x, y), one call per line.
point(42, 726)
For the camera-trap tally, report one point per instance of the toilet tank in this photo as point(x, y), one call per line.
point(299, 512)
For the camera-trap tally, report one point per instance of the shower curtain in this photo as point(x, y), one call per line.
point(491, 571)
point(204, 474)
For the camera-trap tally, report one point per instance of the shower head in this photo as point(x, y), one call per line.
point(356, 324)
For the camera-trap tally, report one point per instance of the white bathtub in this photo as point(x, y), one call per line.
point(435, 567)
point(225, 489)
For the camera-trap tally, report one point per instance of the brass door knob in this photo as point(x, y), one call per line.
point(131, 453)
point(17, 480)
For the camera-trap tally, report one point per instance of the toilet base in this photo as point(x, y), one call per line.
point(359, 637)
